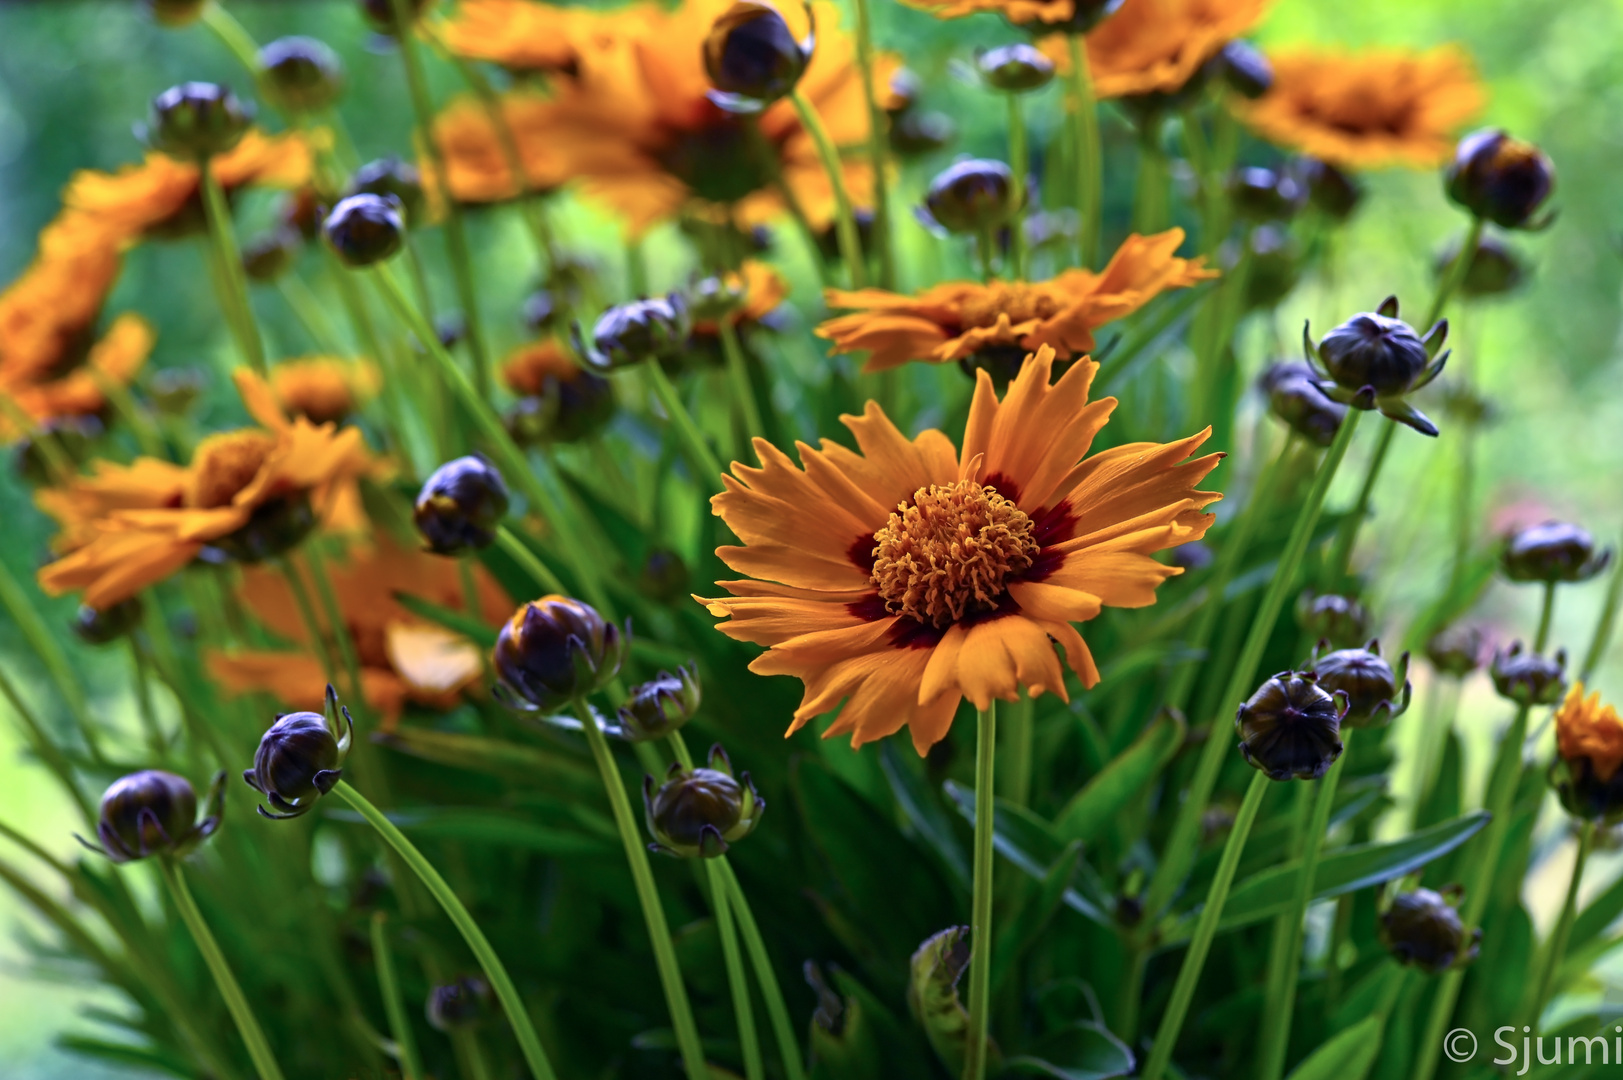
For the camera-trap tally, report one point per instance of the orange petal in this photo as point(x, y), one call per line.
point(431, 659)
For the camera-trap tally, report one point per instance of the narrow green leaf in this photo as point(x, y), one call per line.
point(932, 995)
point(1093, 809)
point(1346, 1055)
point(460, 621)
point(498, 827)
point(528, 765)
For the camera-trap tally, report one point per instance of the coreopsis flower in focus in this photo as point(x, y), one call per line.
point(1003, 321)
point(1374, 360)
point(699, 813)
point(153, 812)
point(301, 758)
point(324, 389)
point(1555, 551)
point(1367, 109)
point(1291, 727)
point(247, 495)
point(1150, 46)
point(1502, 180)
point(404, 659)
point(907, 576)
point(559, 401)
point(1589, 751)
point(1424, 928)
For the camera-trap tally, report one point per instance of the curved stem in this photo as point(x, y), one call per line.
point(738, 376)
point(1347, 537)
point(1089, 162)
point(1556, 949)
point(234, 280)
point(1546, 617)
point(232, 35)
point(506, 993)
point(411, 1064)
point(777, 1010)
point(1019, 166)
point(258, 1046)
point(980, 920)
point(876, 149)
point(845, 222)
point(520, 553)
point(659, 931)
point(1455, 275)
point(749, 1043)
point(1183, 991)
point(700, 457)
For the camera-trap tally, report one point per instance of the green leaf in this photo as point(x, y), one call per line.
point(1091, 1051)
point(1346, 1055)
point(503, 829)
point(460, 621)
point(1601, 913)
point(932, 995)
point(1023, 930)
point(1093, 809)
point(528, 765)
point(923, 810)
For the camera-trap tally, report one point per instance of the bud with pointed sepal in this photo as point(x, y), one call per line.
point(153, 812)
point(1295, 398)
point(1376, 692)
point(1455, 650)
point(1554, 551)
point(631, 333)
point(661, 705)
point(1423, 928)
point(1291, 728)
point(300, 758)
point(461, 506)
point(698, 813)
point(1528, 678)
point(1373, 360)
point(1340, 620)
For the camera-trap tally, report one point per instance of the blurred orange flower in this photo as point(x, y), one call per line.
point(1156, 46)
point(523, 36)
point(1584, 728)
point(323, 389)
point(476, 164)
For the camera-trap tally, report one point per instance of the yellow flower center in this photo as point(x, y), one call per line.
point(226, 463)
point(1020, 302)
point(947, 554)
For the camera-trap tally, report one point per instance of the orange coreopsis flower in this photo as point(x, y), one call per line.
point(323, 389)
point(960, 319)
point(163, 198)
point(125, 527)
point(1156, 46)
point(907, 575)
point(523, 36)
point(1587, 729)
point(476, 163)
point(1378, 107)
point(402, 656)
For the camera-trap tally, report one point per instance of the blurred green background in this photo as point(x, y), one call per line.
point(74, 77)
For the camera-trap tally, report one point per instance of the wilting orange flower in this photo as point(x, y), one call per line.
point(1584, 728)
point(959, 319)
point(163, 198)
point(1377, 107)
point(634, 125)
point(523, 36)
point(323, 389)
point(476, 165)
point(402, 656)
point(125, 527)
point(907, 576)
point(1156, 46)
point(51, 364)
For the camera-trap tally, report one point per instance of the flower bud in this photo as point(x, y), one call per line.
point(661, 705)
point(1015, 69)
point(1500, 179)
point(971, 196)
point(1494, 268)
point(1291, 728)
point(916, 133)
point(1455, 650)
point(174, 12)
point(300, 758)
point(1276, 267)
point(196, 120)
point(380, 14)
point(555, 650)
point(365, 229)
point(1376, 694)
point(1528, 678)
point(1331, 191)
point(461, 1004)
point(154, 813)
point(1551, 552)
point(630, 333)
point(461, 506)
point(752, 57)
point(1423, 928)
point(1375, 358)
point(664, 576)
point(300, 74)
point(718, 297)
point(698, 813)
point(1340, 620)
point(905, 91)
point(391, 176)
point(1589, 751)
point(1264, 195)
point(270, 255)
point(566, 409)
point(107, 625)
point(1295, 398)
point(1245, 69)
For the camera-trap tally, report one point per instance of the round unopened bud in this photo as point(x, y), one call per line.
point(1500, 179)
point(1494, 268)
point(300, 74)
point(555, 650)
point(390, 176)
point(154, 813)
point(1528, 678)
point(1330, 190)
point(365, 229)
point(270, 255)
point(300, 758)
point(1551, 552)
point(1015, 69)
point(640, 330)
point(699, 813)
point(461, 506)
point(1423, 928)
point(1291, 728)
point(1245, 69)
point(972, 196)
point(1375, 692)
point(380, 14)
point(664, 576)
point(752, 57)
point(174, 12)
point(661, 705)
point(1375, 358)
point(1340, 620)
point(1264, 195)
point(918, 132)
point(196, 120)
point(1455, 650)
point(1276, 267)
point(106, 625)
point(461, 1004)
point(1296, 399)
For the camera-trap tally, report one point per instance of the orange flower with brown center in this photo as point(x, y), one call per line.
point(907, 576)
point(403, 657)
point(1156, 46)
point(1584, 728)
point(323, 389)
point(246, 494)
point(963, 319)
point(1371, 108)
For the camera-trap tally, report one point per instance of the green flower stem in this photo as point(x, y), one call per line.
point(876, 148)
point(233, 279)
point(1113, 368)
point(980, 920)
point(1546, 617)
point(145, 708)
point(1604, 625)
point(985, 243)
point(307, 615)
point(1455, 275)
point(307, 310)
point(232, 35)
point(1019, 732)
point(1555, 950)
point(336, 623)
point(456, 237)
point(1089, 163)
point(1283, 963)
point(659, 932)
point(57, 463)
point(1150, 210)
point(1019, 165)
point(1180, 849)
point(1437, 720)
point(776, 1009)
point(508, 456)
point(845, 222)
point(49, 650)
point(700, 457)
point(258, 1046)
point(134, 416)
point(749, 1043)
point(411, 1064)
point(1340, 564)
point(749, 413)
point(1183, 991)
point(520, 553)
point(506, 993)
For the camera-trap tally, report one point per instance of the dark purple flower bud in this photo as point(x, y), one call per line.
point(555, 650)
point(1501, 179)
point(461, 506)
point(1291, 728)
point(1295, 398)
point(661, 705)
point(1334, 193)
point(1375, 692)
point(461, 1004)
point(154, 813)
point(1374, 359)
point(1246, 71)
point(196, 120)
point(1340, 620)
point(1528, 678)
point(698, 813)
point(300, 758)
point(752, 57)
point(390, 176)
point(300, 74)
point(1015, 69)
point(1424, 929)
point(365, 229)
point(631, 333)
point(107, 625)
point(971, 196)
point(916, 132)
point(1551, 552)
